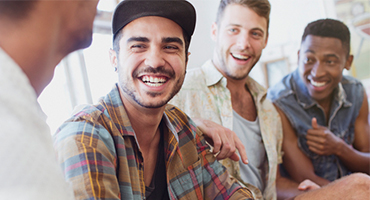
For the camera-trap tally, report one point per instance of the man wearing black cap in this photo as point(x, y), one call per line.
point(132, 145)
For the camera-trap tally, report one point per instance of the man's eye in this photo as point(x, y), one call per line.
point(308, 60)
point(258, 34)
point(137, 46)
point(233, 30)
point(330, 62)
point(171, 47)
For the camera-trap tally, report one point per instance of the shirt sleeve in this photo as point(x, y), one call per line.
point(218, 182)
point(86, 161)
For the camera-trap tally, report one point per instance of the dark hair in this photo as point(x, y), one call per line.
point(119, 35)
point(329, 28)
point(16, 9)
point(261, 7)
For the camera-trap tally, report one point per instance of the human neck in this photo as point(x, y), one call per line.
point(36, 53)
point(144, 121)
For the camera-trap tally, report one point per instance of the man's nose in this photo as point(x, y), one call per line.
point(154, 58)
point(243, 41)
point(318, 69)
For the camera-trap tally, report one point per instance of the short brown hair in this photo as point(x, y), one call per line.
point(16, 9)
point(261, 7)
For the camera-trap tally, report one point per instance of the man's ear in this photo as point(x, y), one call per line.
point(349, 62)
point(214, 30)
point(113, 58)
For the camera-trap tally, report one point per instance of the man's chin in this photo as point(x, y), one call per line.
point(152, 105)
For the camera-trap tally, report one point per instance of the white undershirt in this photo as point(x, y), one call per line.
point(250, 135)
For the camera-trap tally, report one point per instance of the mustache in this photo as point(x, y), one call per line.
point(157, 70)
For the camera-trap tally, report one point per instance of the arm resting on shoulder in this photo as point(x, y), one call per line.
point(218, 184)
point(298, 165)
point(224, 141)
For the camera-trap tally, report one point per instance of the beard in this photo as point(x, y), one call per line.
point(227, 70)
point(128, 88)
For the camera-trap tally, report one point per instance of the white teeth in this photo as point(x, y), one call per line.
point(317, 84)
point(153, 84)
point(153, 81)
point(238, 56)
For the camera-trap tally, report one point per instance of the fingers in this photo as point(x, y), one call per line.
point(318, 149)
point(307, 185)
point(241, 149)
point(227, 147)
point(315, 137)
point(314, 123)
point(234, 157)
point(216, 142)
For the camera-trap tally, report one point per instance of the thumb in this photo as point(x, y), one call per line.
point(314, 123)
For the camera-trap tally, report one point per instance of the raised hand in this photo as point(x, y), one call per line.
point(224, 141)
point(321, 140)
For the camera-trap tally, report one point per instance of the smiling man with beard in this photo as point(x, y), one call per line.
point(132, 145)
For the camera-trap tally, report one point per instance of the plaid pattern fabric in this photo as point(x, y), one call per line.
point(98, 152)
point(204, 95)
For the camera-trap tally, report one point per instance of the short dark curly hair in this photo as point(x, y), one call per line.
point(329, 28)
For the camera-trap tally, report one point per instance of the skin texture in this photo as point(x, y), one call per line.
point(321, 61)
point(236, 38)
point(150, 47)
point(51, 30)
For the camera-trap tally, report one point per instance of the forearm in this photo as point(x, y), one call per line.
point(302, 169)
point(354, 160)
point(286, 188)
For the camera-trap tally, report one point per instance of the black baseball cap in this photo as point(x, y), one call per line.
point(179, 11)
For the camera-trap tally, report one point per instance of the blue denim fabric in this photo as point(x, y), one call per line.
point(292, 97)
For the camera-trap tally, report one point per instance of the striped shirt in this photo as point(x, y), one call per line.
point(100, 156)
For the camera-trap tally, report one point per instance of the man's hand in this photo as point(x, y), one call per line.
point(307, 185)
point(321, 140)
point(224, 141)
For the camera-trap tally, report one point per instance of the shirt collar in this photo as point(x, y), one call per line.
point(212, 75)
point(125, 122)
point(304, 98)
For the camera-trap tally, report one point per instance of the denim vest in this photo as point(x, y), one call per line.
point(292, 97)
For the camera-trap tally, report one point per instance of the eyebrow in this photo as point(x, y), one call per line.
point(164, 40)
point(137, 39)
point(253, 29)
point(172, 39)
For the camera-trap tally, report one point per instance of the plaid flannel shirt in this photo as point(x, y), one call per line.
point(100, 157)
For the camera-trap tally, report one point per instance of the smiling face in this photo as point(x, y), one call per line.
point(321, 61)
point(151, 62)
point(240, 38)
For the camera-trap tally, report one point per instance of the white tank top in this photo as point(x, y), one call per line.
point(249, 133)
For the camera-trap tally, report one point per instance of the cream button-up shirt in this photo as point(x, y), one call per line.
point(204, 95)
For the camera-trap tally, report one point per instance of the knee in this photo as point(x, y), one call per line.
point(359, 181)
